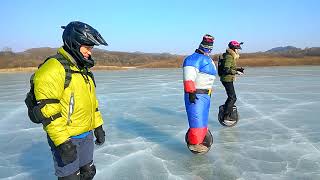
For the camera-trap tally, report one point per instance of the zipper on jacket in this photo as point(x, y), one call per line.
point(71, 108)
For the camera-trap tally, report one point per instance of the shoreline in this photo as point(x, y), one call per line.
point(96, 68)
point(113, 68)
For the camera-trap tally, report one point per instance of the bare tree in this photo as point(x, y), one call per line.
point(6, 49)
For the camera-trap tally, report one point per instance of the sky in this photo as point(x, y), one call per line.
point(164, 26)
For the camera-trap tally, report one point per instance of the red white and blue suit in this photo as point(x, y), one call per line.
point(199, 73)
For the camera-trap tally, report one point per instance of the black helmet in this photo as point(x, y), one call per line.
point(78, 33)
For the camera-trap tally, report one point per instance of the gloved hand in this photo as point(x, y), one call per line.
point(100, 135)
point(240, 69)
point(192, 98)
point(67, 151)
point(239, 73)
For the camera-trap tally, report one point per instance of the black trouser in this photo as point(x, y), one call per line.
point(232, 98)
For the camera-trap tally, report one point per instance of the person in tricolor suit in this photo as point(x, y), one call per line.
point(199, 73)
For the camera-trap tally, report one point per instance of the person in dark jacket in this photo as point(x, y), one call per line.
point(229, 70)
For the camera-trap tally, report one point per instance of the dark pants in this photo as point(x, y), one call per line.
point(232, 98)
point(84, 156)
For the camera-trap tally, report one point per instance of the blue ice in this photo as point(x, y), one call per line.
point(277, 137)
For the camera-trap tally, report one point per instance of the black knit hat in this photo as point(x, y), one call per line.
point(207, 42)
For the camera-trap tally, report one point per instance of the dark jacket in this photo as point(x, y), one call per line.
point(230, 66)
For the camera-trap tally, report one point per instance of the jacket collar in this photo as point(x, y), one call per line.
point(65, 54)
point(234, 54)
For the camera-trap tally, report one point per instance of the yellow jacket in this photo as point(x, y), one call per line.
point(83, 116)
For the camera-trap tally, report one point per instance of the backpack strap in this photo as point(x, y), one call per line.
point(221, 63)
point(66, 64)
point(92, 77)
point(37, 115)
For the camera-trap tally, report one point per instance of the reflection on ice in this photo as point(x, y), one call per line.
point(277, 136)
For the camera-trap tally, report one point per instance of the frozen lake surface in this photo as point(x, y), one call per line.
point(277, 137)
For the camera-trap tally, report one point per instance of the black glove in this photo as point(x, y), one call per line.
point(68, 152)
point(100, 135)
point(192, 97)
point(240, 69)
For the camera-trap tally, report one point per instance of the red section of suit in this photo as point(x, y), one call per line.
point(197, 135)
point(189, 86)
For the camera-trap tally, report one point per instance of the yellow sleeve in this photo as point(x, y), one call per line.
point(49, 84)
point(98, 117)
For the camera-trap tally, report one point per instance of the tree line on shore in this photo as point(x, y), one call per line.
point(275, 57)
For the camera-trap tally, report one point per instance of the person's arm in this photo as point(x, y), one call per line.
point(228, 68)
point(189, 78)
point(98, 117)
point(49, 84)
point(99, 133)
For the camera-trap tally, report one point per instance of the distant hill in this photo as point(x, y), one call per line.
point(287, 55)
point(291, 51)
point(283, 49)
point(35, 56)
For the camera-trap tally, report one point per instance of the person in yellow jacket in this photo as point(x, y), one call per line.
point(73, 113)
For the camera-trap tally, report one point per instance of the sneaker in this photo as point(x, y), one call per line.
point(198, 148)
